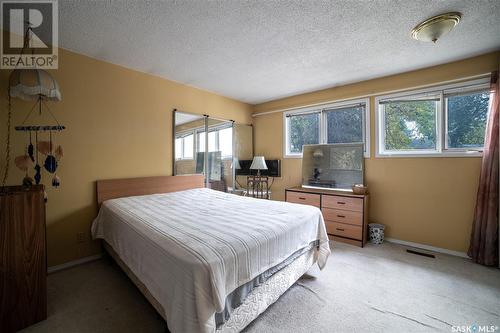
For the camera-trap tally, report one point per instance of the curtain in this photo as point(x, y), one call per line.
point(484, 238)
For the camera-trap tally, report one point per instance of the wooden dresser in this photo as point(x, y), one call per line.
point(345, 213)
point(23, 265)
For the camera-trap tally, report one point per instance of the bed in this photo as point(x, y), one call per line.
point(207, 261)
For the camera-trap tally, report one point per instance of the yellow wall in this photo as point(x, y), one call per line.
point(423, 200)
point(119, 124)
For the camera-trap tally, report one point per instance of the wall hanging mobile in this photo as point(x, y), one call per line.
point(41, 153)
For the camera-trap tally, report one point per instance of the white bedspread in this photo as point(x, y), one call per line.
point(193, 248)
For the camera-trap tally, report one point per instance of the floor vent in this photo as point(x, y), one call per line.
point(421, 253)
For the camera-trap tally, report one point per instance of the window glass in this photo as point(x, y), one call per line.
point(188, 147)
point(466, 120)
point(226, 142)
point(345, 125)
point(410, 124)
point(302, 130)
point(201, 142)
point(212, 141)
point(178, 148)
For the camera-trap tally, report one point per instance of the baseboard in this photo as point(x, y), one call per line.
point(428, 248)
point(69, 264)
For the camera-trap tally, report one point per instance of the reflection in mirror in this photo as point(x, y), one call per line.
point(186, 142)
point(225, 142)
point(243, 150)
point(220, 154)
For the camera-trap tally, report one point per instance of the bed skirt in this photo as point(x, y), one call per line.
point(256, 302)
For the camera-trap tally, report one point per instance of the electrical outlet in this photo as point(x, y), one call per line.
point(80, 237)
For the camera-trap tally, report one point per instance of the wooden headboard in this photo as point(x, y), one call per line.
point(119, 188)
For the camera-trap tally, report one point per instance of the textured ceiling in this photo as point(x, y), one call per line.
point(256, 51)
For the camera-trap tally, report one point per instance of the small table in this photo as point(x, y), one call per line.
point(258, 187)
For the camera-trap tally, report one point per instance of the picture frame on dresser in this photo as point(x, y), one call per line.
point(345, 213)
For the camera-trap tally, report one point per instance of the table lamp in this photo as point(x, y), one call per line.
point(258, 163)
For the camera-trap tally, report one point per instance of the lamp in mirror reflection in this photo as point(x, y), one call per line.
point(236, 164)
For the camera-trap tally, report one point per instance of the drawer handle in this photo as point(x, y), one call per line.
point(341, 202)
point(342, 216)
point(340, 229)
point(302, 198)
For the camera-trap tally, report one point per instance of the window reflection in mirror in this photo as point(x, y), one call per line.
point(225, 142)
point(186, 144)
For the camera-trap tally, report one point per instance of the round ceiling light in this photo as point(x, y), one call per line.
point(433, 28)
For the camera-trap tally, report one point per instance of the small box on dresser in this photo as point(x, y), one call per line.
point(345, 213)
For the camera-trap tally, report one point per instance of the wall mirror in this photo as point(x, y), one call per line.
point(210, 146)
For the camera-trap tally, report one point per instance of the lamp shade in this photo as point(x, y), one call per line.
point(31, 84)
point(258, 163)
point(236, 164)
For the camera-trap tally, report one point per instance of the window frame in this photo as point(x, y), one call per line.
point(322, 111)
point(441, 120)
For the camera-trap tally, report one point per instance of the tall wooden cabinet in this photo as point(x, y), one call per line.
point(345, 213)
point(23, 264)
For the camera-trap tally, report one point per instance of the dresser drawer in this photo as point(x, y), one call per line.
point(338, 202)
point(304, 198)
point(344, 216)
point(344, 230)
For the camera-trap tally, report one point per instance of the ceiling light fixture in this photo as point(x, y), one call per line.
point(433, 28)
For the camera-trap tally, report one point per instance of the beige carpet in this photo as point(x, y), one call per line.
point(375, 289)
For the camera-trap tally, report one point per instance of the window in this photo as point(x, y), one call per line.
point(178, 148)
point(345, 125)
point(213, 141)
point(410, 124)
point(303, 129)
point(226, 142)
point(345, 122)
point(466, 116)
point(201, 142)
point(184, 147)
point(187, 148)
point(448, 120)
